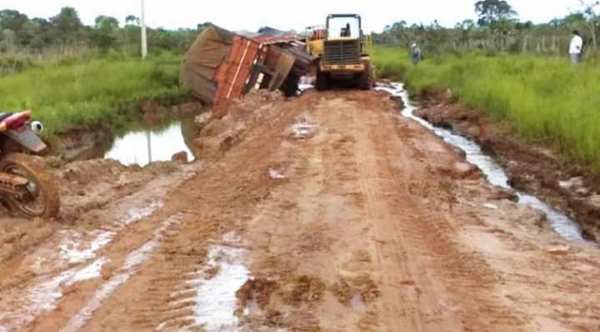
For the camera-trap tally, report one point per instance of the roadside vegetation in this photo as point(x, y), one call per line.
point(102, 91)
point(27, 40)
point(516, 71)
point(74, 75)
point(546, 100)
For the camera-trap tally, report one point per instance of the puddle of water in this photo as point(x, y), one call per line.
point(494, 173)
point(89, 272)
point(304, 128)
point(44, 296)
point(71, 249)
point(74, 248)
point(129, 268)
point(136, 214)
point(216, 300)
point(357, 303)
point(143, 147)
point(276, 174)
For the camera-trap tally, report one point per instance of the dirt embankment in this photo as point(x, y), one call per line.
point(327, 212)
point(532, 168)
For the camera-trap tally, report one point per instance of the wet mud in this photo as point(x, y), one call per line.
point(326, 212)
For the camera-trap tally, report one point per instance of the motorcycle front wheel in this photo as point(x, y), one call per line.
point(41, 198)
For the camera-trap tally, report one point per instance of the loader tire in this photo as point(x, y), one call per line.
point(366, 78)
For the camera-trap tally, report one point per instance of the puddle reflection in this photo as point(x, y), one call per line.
point(146, 146)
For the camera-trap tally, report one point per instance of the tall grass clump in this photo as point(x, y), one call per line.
point(545, 99)
point(90, 92)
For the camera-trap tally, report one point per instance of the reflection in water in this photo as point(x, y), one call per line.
point(146, 146)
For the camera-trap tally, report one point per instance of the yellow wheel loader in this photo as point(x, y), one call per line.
point(343, 54)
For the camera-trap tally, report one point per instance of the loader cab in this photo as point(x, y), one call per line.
point(343, 45)
point(315, 39)
point(344, 26)
point(345, 60)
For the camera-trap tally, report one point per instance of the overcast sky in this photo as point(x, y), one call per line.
point(285, 14)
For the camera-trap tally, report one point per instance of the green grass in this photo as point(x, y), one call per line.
point(102, 91)
point(545, 99)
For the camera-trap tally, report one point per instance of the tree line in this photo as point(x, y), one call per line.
point(498, 29)
point(65, 31)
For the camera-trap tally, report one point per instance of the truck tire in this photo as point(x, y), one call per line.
point(290, 85)
point(322, 81)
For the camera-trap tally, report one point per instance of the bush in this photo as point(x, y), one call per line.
point(13, 64)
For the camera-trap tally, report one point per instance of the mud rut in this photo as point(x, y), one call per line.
point(364, 221)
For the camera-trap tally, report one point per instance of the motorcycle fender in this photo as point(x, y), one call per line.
point(27, 138)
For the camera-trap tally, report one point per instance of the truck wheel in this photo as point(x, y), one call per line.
point(290, 85)
point(322, 80)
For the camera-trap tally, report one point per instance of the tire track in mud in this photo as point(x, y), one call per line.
point(208, 299)
point(402, 281)
point(132, 262)
point(421, 240)
point(329, 185)
point(82, 263)
point(48, 274)
point(359, 227)
point(221, 198)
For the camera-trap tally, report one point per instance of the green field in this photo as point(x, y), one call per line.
point(545, 100)
point(89, 92)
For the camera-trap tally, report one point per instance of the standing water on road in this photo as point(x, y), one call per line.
point(562, 224)
point(216, 300)
point(145, 146)
point(215, 288)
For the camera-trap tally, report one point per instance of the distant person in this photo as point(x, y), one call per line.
point(415, 54)
point(576, 48)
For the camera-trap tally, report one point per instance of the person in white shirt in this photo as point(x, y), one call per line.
point(415, 54)
point(576, 48)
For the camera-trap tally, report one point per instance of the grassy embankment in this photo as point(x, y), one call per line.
point(546, 100)
point(90, 92)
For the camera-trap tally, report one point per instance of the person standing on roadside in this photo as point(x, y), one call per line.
point(576, 48)
point(415, 54)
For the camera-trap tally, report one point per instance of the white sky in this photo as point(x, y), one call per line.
point(251, 15)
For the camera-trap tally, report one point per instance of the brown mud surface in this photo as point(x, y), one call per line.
point(330, 211)
point(532, 168)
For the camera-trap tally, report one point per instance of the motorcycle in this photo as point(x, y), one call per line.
point(26, 187)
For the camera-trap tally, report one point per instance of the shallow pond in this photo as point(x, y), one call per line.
point(141, 147)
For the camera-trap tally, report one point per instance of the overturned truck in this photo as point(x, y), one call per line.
point(222, 65)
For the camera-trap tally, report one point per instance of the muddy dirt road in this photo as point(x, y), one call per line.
point(329, 212)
